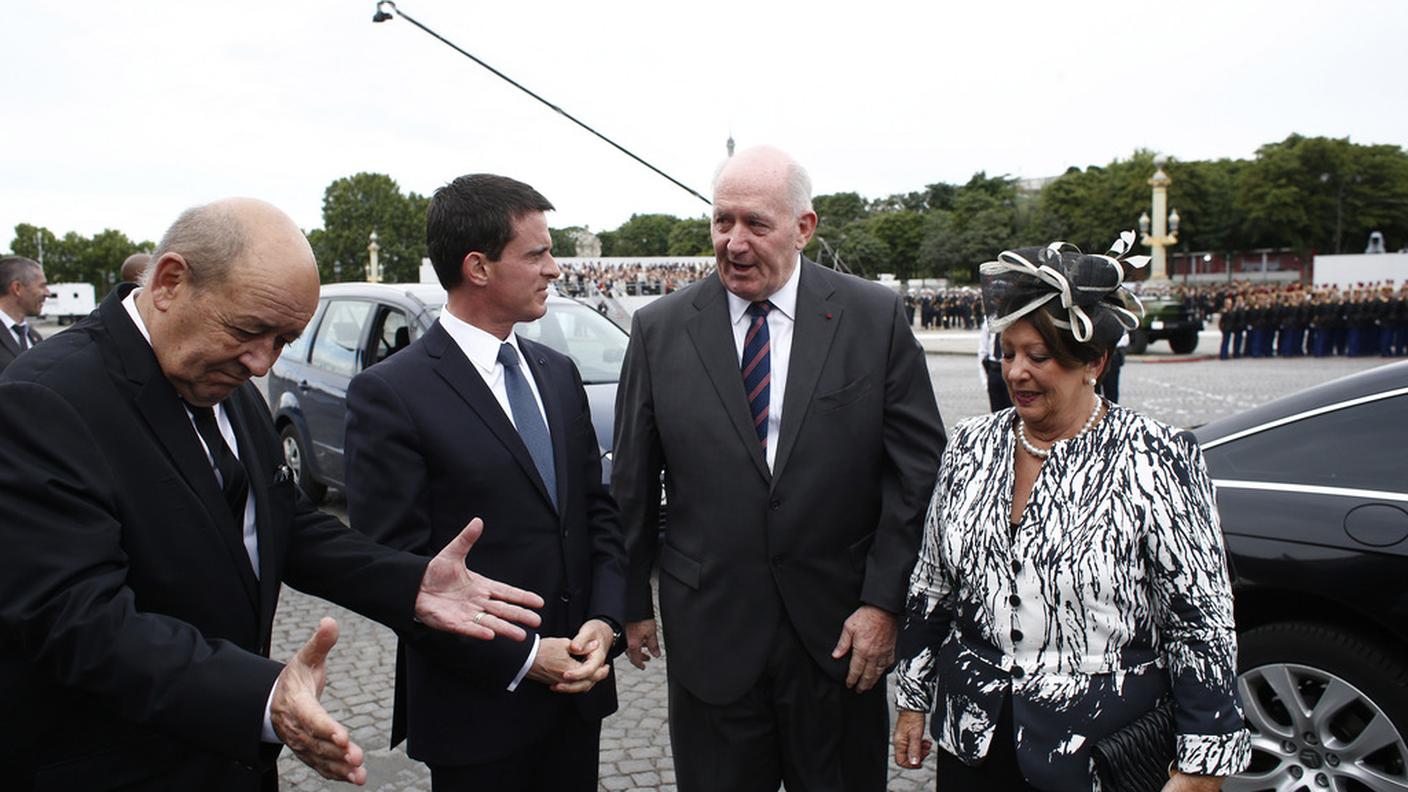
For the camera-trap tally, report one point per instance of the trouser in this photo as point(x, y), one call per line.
point(563, 759)
point(1238, 341)
point(796, 726)
point(1226, 339)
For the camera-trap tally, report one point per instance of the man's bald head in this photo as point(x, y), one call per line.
point(230, 284)
point(773, 168)
point(216, 237)
point(134, 265)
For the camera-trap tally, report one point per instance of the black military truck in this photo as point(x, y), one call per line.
point(1167, 319)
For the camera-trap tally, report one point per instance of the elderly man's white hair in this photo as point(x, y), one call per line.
point(799, 184)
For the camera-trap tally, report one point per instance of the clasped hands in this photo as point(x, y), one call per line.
point(574, 666)
point(451, 598)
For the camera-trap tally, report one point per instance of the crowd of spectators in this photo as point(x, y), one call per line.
point(592, 278)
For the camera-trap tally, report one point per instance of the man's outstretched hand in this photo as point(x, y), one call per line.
point(452, 598)
point(302, 723)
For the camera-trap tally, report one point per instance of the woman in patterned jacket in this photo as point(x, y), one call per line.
point(1072, 575)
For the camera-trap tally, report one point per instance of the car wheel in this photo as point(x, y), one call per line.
point(297, 461)
point(1138, 342)
point(1184, 343)
point(1326, 709)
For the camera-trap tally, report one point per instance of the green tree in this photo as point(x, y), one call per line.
point(564, 243)
point(691, 237)
point(641, 235)
point(863, 252)
point(902, 231)
point(355, 206)
point(836, 210)
point(74, 258)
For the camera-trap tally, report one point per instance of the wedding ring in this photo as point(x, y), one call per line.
point(480, 615)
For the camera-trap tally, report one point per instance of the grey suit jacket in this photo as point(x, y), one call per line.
point(10, 348)
point(835, 525)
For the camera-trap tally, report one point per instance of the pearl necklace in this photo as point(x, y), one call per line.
point(1043, 453)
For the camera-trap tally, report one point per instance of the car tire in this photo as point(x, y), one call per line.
point(1184, 343)
point(296, 457)
point(1138, 342)
point(1348, 724)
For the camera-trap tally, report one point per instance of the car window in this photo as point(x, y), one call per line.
point(594, 343)
point(1359, 447)
point(342, 329)
point(298, 350)
point(392, 335)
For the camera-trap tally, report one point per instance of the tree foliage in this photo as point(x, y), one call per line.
point(74, 258)
point(355, 206)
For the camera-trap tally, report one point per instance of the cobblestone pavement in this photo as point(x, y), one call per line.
point(635, 750)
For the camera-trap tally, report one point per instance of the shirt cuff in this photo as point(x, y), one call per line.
point(527, 664)
point(266, 732)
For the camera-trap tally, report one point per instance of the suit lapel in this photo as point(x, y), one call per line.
point(457, 372)
point(7, 340)
point(812, 333)
point(161, 408)
point(557, 427)
point(712, 335)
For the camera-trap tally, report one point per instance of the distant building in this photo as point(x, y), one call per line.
point(588, 244)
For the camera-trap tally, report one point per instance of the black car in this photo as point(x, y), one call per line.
point(1312, 490)
point(360, 324)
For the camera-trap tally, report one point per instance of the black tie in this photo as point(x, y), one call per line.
point(233, 482)
point(23, 332)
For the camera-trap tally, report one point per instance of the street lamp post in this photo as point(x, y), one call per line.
point(373, 264)
point(1164, 236)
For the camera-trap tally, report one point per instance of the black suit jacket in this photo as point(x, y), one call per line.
point(837, 522)
point(429, 448)
point(10, 349)
point(133, 630)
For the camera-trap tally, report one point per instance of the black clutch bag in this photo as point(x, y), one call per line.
point(1137, 757)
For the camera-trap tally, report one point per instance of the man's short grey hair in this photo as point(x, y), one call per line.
point(210, 238)
point(799, 184)
point(17, 268)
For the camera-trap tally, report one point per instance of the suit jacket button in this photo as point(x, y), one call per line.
point(1016, 636)
point(777, 504)
point(1018, 672)
point(565, 597)
point(1015, 600)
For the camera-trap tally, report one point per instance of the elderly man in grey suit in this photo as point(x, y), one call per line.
point(22, 294)
point(790, 409)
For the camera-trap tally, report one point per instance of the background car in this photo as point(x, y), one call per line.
point(1312, 490)
point(358, 325)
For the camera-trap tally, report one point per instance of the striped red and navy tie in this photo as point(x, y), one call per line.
point(757, 368)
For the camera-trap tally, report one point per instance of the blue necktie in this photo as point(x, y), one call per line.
point(757, 369)
point(528, 419)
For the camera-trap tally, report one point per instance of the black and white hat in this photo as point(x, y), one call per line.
point(1083, 292)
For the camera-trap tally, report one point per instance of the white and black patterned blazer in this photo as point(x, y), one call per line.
point(1112, 594)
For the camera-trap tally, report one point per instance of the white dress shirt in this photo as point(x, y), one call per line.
point(781, 319)
point(482, 350)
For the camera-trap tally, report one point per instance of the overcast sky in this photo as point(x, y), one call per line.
point(121, 114)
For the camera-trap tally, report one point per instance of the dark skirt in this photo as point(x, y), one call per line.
point(998, 770)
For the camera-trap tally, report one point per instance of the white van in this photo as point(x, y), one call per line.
point(68, 302)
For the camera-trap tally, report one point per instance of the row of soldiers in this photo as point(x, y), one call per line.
point(944, 309)
point(1367, 319)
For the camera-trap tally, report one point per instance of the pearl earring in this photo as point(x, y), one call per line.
point(1090, 381)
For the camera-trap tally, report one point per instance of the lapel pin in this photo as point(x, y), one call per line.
point(828, 316)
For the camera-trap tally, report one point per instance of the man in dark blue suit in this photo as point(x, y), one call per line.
point(473, 421)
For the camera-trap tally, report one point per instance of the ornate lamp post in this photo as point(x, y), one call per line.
point(373, 265)
point(1161, 238)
